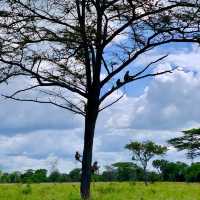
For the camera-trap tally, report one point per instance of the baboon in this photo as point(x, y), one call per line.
point(95, 167)
point(127, 77)
point(78, 156)
point(119, 83)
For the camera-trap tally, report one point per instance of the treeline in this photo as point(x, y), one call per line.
point(142, 154)
point(39, 176)
point(122, 171)
point(164, 171)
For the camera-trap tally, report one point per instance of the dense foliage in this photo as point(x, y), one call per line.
point(122, 171)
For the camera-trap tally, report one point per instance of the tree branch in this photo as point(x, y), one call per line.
point(45, 102)
point(135, 18)
point(141, 51)
point(131, 80)
point(49, 82)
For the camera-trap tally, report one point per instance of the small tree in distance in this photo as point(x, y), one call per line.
point(144, 152)
point(189, 142)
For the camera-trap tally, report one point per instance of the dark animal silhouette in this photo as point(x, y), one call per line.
point(127, 77)
point(78, 156)
point(94, 167)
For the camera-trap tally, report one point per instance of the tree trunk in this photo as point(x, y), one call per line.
point(90, 122)
point(145, 177)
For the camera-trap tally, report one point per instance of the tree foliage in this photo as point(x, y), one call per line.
point(125, 171)
point(122, 171)
point(171, 171)
point(189, 142)
point(193, 173)
point(145, 151)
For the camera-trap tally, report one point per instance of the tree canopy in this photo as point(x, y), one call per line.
point(76, 45)
point(189, 142)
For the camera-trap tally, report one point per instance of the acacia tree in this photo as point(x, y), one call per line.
point(77, 53)
point(144, 152)
point(189, 142)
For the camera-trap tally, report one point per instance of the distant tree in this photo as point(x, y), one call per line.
point(15, 177)
point(40, 175)
point(97, 177)
point(193, 173)
point(5, 178)
point(75, 175)
point(156, 164)
point(109, 174)
point(144, 152)
point(153, 177)
point(171, 171)
point(176, 171)
point(28, 176)
point(160, 165)
point(189, 142)
point(75, 54)
point(65, 177)
point(126, 171)
point(54, 176)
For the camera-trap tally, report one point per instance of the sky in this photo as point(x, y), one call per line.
point(35, 136)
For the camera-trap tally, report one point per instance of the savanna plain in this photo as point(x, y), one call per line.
point(102, 191)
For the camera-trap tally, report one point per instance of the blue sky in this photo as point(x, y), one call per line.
point(33, 135)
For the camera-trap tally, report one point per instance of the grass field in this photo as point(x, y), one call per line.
point(102, 191)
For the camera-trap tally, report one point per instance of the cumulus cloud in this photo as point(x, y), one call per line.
point(22, 163)
point(35, 149)
point(19, 117)
point(186, 58)
point(41, 144)
point(170, 102)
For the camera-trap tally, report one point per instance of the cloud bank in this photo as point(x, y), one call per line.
point(32, 134)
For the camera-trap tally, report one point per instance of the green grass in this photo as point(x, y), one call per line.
point(102, 191)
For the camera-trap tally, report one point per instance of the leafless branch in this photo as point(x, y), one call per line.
point(112, 103)
point(44, 102)
point(134, 78)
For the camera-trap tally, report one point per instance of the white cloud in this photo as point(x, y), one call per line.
point(170, 102)
point(36, 149)
point(188, 59)
point(31, 134)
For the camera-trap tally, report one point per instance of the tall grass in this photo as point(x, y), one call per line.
point(102, 191)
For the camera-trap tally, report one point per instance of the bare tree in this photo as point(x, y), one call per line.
point(76, 53)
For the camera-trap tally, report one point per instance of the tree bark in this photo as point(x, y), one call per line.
point(90, 123)
point(145, 177)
